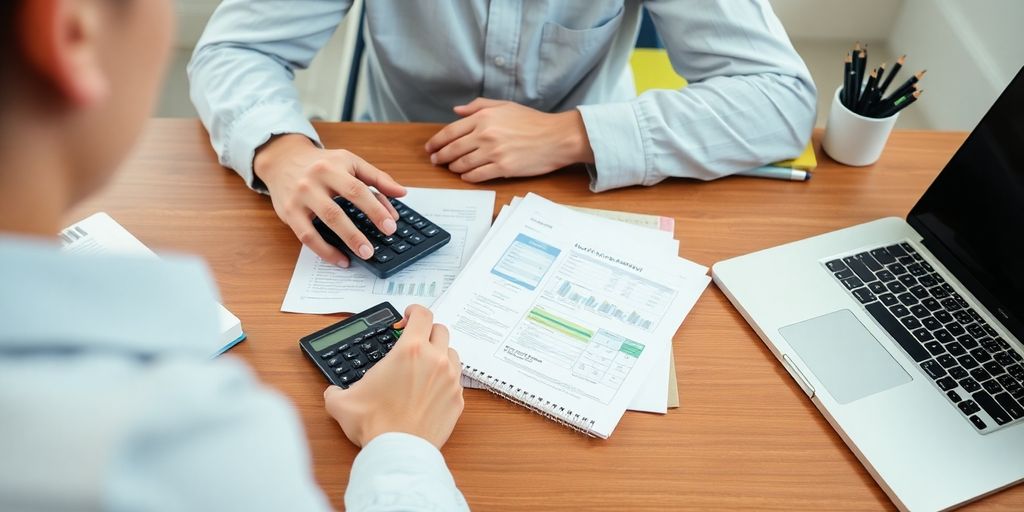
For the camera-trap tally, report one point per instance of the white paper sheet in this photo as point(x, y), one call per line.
point(652, 396)
point(320, 287)
point(571, 310)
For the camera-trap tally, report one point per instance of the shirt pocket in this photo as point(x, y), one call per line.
point(567, 55)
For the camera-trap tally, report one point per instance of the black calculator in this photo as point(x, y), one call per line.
point(415, 238)
point(345, 351)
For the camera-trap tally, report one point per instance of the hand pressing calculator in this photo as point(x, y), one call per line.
point(415, 238)
point(345, 351)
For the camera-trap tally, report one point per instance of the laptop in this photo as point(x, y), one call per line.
point(906, 334)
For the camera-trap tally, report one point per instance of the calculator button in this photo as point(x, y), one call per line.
point(349, 378)
point(401, 247)
point(430, 231)
point(389, 240)
point(385, 338)
point(411, 218)
point(362, 371)
point(358, 362)
point(381, 330)
point(374, 356)
point(329, 354)
point(357, 339)
point(404, 232)
point(384, 256)
point(341, 370)
point(415, 239)
point(366, 347)
point(334, 361)
point(351, 354)
point(420, 225)
point(343, 347)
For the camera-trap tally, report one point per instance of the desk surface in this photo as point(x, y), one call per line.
point(745, 436)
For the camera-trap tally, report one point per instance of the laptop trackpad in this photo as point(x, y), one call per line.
point(844, 356)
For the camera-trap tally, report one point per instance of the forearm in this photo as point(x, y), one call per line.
point(242, 70)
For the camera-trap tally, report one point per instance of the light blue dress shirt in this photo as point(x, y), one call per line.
point(109, 401)
point(750, 101)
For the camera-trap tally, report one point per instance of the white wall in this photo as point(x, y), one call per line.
point(845, 20)
point(971, 48)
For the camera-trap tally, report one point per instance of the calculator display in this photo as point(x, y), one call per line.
point(339, 335)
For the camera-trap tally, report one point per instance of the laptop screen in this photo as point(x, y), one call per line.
point(972, 216)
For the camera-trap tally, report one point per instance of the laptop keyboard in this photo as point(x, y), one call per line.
point(966, 359)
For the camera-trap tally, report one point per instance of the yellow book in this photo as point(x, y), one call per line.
point(805, 162)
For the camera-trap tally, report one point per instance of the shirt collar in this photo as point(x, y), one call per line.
point(142, 305)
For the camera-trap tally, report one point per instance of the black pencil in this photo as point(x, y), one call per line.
point(875, 95)
point(869, 91)
point(859, 60)
point(887, 103)
point(847, 80)
point(902, 103)
point(905, 88)
point(892, 74)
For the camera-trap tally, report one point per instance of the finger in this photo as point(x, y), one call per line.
point(382, 181)
point(468, 162)
point(419, 322)
point(477, 105)
point(483, 173)
point(459, 147)
point(449, 133)
point(439, 336)
point(303, 228)
point(331, 214)
point(355, 190)
point(387, 204)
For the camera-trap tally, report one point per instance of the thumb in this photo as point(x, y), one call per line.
point(476, 106)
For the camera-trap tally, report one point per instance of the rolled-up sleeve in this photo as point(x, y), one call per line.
point(397, 471)
point(241, 73)
point(750, 100)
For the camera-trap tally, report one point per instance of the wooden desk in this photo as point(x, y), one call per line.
point(745, 436)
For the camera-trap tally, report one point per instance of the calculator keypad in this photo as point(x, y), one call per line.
point(348, 361)
point(414, 238)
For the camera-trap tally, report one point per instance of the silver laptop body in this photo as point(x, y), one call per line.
point(906, 334)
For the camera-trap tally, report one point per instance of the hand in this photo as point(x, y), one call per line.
point(303, 180)
point(415, 389)
point(502, 139)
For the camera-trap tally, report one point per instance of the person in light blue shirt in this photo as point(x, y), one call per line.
point(525, 87)
point(108, 398)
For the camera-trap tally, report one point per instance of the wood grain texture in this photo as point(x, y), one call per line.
point(745, 436)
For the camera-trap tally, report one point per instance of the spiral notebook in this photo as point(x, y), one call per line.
point(566, 313)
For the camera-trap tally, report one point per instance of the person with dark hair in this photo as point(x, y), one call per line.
point(108, 400)
point(524, 88)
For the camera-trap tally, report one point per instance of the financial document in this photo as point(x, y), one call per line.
point(555, 304)
point(659, 392)
point(320, 287)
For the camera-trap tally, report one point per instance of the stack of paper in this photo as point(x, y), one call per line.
point(571, 314)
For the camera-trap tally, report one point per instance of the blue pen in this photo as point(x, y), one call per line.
point(777, 173)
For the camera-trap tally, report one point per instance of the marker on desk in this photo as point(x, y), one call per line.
point(777, 173)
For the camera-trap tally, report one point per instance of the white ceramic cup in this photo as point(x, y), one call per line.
point(853, 139)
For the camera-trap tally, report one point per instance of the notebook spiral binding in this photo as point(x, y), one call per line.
point(532, 402)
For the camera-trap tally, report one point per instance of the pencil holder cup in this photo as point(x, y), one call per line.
point(853, 139)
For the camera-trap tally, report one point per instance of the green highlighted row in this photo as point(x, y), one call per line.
point(560, 324)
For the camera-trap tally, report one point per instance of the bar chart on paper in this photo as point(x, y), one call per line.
point(422, 284)
point(622, 295)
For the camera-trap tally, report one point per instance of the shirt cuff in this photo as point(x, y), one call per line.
point(254, 128)
point(619, 155)
point(402, 472)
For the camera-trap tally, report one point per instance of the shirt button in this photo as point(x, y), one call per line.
point(499, 61)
